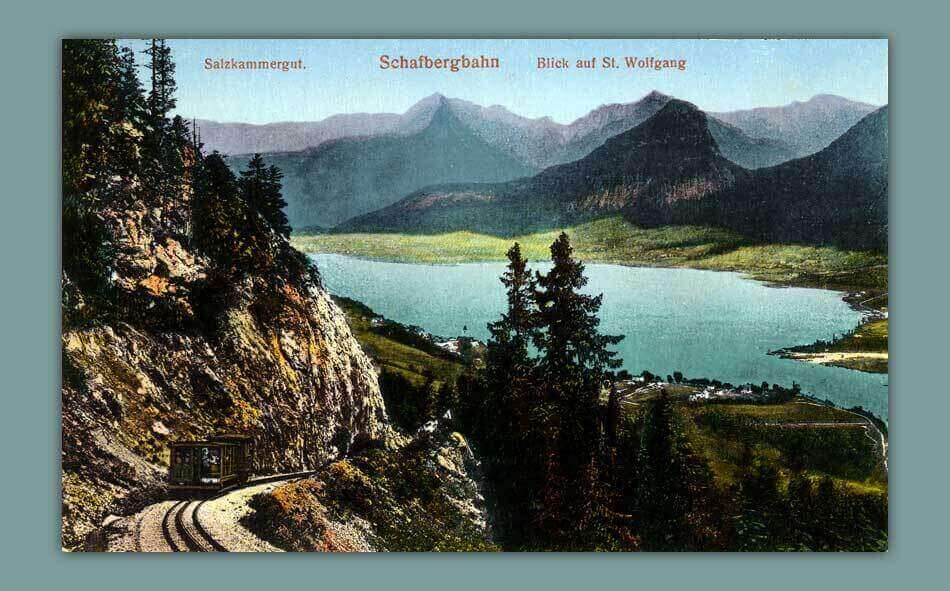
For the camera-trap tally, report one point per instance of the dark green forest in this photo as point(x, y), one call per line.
point(119, 144)
point(572, 470)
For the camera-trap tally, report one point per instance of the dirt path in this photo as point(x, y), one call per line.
point(221, 518)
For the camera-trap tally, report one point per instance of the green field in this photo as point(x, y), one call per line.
point(614, 240)
point(395, 354)
point(846, 454)
point(818, 439)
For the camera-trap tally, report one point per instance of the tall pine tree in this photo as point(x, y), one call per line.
point(573, 364)
point(570, 344)
point(100, 162)
point(511, 410)
point(131, 93)
point(261, 187)
point(161, 96)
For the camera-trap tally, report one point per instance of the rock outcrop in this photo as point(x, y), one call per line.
point(420, 495)
point(187, 352)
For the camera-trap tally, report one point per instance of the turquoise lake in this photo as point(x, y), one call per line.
point(703, 323)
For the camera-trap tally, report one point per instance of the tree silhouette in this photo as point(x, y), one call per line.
point(261, 187)
point(574, 357)
point(161, 97)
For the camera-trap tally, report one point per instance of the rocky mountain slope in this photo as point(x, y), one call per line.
point(270, 356)
point(807, 126)
point(672, 156)
point(836, 196)
point(348, 177)
point(424, 496)
point(590, 132)
point(746, 151)
point(351, 164)
point(671, 170)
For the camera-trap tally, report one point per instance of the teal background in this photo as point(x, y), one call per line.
point(29, 60)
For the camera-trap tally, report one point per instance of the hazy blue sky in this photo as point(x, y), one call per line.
point(344, 75)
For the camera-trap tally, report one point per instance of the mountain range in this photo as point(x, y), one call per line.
point(671, 169)
point(346, 177)
point(670, 156)
point(835, 196)
point(348, 165)
point(807, 126)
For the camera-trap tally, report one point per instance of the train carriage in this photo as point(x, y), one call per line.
point(210, 465)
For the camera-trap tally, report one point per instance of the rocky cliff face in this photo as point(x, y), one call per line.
point(421, 495)
point(187, 354)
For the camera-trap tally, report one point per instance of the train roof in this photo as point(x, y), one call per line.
point(201, 442)
point(232, 436)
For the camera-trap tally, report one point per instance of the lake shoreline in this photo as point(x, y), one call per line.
point(373, 329)
point(614, 240)
point(863, 349)
point(862, 286)
point(365, 281)
point(851, 293)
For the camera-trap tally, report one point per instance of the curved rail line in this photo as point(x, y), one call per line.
point(216, 545)
point(181, 536)
point(193, 544)
point(166, 526)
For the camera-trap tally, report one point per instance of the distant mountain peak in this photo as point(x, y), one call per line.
point(655, 95)
point(419, 115)
point(807, 126)
point(443, 116)
point(435, 97)
point(675, 105)
point(669, 157)
point(837, 195)
point(828, 98)
point(676, 121)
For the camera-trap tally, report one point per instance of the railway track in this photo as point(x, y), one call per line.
point(182, 530)
point(175, 526)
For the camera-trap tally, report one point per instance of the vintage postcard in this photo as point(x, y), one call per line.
point(331, 295)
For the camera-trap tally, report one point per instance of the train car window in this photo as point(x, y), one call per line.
point(227, 461)
point(181, 463)
point(210, 464)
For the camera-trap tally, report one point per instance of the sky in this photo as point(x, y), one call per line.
point(343, 75)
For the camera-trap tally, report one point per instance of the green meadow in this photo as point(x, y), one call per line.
point(614, 240)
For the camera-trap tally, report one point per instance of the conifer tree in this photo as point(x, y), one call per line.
point(508, 365)
point(513, 333)
point(261, 187)
point(99, 158)
point(91, 112)
point(225, 228)
point(574, 360)
point(131, 93)
point(570, 343)
point(505, 417)
point(161, 96)
point(660, 485)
